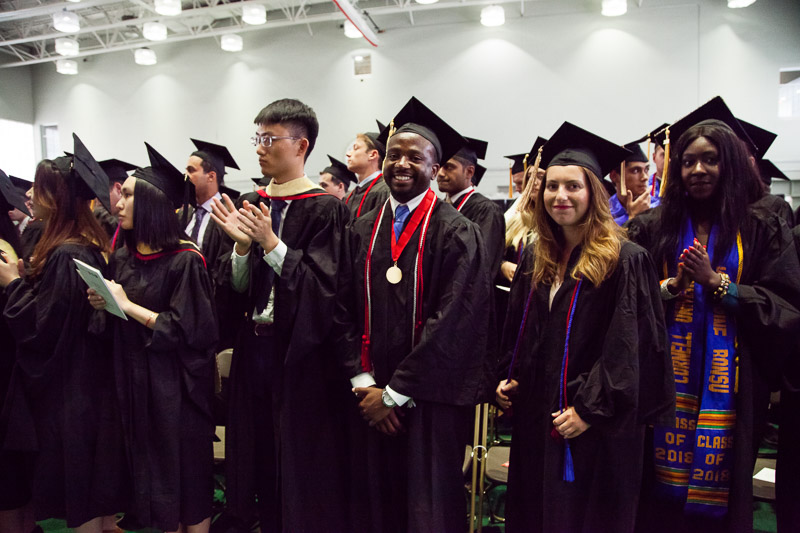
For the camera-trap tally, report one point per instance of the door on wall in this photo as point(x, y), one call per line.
point(51, 145)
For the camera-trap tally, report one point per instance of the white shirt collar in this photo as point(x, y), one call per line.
point(368, 179)
point(411, 204)
point(456, 196)
point(208, 203)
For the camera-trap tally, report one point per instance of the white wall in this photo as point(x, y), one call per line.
point(619, 77)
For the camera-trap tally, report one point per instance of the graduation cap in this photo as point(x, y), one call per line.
point(263, 181)
point(339, 169)
point(762, 139)
point(571, 145)
point(637, 154)
point(713, 109)
point(480, 170)
point(219, 155)
point(11, 196)
point(21, 184)
point(518, 162)
point(117, 170)
point(474, 150)
point(374, 136)
point(416, 118)
point(767, 170)
point(163, 175)
point(93, 182)
point(232, 193)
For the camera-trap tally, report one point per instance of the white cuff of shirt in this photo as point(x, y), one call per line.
point(276, 257)
point(398, 398)
point(362, 380)
point(239, 258)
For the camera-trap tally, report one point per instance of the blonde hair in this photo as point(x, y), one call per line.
point(601, 242)
point(520, 223)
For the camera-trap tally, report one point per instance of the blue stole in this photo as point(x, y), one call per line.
point(693, 460)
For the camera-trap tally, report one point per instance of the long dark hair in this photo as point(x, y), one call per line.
point(737, 188)
point(70, 217)
point(155, 222)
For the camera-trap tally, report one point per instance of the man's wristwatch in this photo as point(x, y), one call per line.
point(387, 399)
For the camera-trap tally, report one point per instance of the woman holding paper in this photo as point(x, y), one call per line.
point(62, 372)
point(163, 354)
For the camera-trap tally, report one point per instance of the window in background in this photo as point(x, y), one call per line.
point(51, 145)
point(789, 93)
point(18, 155)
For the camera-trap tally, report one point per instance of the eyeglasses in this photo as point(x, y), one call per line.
point(267, 140)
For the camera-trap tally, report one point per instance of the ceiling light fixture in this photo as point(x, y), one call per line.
point(145, 56)
point(493, 16)
point(426, 2)
point(350, 30)
point(231, 42)
point(254, 14)
point(66, 21)
point(169, 8)
point(614, 8)
point(735, 4)
point(154, 31)
point(67, 47)
point(67, 66)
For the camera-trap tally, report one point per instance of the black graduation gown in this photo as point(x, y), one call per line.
point(414, 480)
point(308, 386)
point(217, 248)
point(376, 197)
point(164, 380)
point(61, 380)
point(771, 203)
point(768, 322)
point(15, 466)
point(107, 221)
point(619, 378)
point(787, 488)
point(30, 238)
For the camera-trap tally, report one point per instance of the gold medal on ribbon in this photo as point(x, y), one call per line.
point(394, 275)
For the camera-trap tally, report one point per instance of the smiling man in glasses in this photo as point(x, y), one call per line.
point(282, 437)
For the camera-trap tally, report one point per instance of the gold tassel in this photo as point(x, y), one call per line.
point(527, 194)
point(736, 382)
point(510, 181)
point(525, 165)
point(389, 136)
point(623, 192)
point(666, 166)
point(648, 147)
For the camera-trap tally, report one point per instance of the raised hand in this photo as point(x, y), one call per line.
point(224, 214)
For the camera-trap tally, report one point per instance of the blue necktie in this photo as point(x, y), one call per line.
point(400, 216)
point(199, 215)
point(276, 213)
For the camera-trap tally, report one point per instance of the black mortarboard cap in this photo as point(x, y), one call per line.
point(538, 143)
point(571, 145)
point(21, 184)
point(518, 164)
point(117, 170)
point(416, 118)
point(767, 170)
point(263, 181)
point(163, 175)
point(762, 139)
point(713, 109)
point(375, 137)
point(339, 169)
point(219, 155)
point(381, 125)
point(93, 182)
point(232, 193)
point(637, 154)
point(11, 195)
point(480, 170)
point(474, 150)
